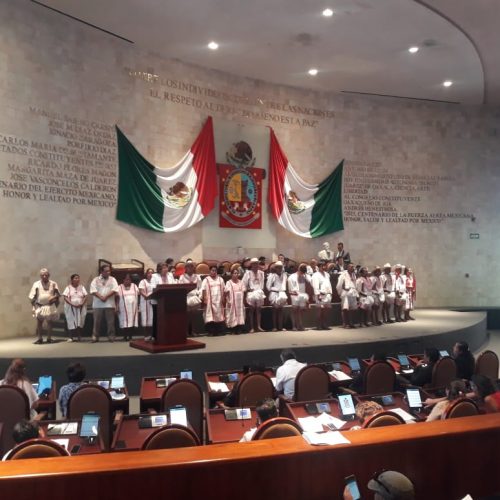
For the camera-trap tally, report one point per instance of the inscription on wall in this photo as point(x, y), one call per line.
point(78, 167)
point(374, 194)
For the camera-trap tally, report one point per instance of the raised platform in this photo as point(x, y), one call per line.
point(433, 327)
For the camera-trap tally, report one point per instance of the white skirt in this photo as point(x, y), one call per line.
point(256, 298)
point(300, 300)
point(278, 299)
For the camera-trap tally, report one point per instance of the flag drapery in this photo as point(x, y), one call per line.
point(307, 210)
point(172, 199)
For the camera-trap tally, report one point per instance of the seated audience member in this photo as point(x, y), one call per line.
point(366, 409)
point(357, 381)
point(76, 374)
point(423, 371)
point(457, 389)
point(485, 390)
point(388, 484)
point(265, 411)
point(23, 431)
point(464, 360)
point(16, 375)
point(286, 373)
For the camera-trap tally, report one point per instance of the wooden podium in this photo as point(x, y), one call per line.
point(171, 321)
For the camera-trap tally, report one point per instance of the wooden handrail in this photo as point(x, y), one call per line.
point(470, 447)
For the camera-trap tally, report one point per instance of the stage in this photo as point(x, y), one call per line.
point(433, 327)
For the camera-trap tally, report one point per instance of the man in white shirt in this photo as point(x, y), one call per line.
point(265, 411)
point(346, 288)
point(104, 288)
point(322, 294)
point(253, 279)
point(286, 373)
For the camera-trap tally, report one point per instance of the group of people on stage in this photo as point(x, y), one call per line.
point(226, 300)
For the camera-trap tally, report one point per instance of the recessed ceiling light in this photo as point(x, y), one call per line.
point(313, 71)
point(447, 83)
point(213, 45)
point(328, 12)
point(413, 50)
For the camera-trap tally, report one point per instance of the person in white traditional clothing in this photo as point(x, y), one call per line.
point(378, 294)
point(146, 288)
point(194, 296)
point(104, 288)
point(44, 297)
point(299, 285)
point(127, 303)
point(234, 292)
point(326, 253)
point(276, 286)
point(401, 295)
point(346, 288)
point(163, 276)
point(312, 267)
point(212, 290)
point(389, 293)
point(411, 290)
point(322, 287)
point(364, 289)
point(253, 280)
point(75, 307)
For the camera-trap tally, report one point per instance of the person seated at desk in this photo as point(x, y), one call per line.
point(388, 484)
point(423, 371)
point(364, 410)
point(357, 381)
point(265, 411)
point(486, 392)
point(76, 374)
point(456, 389)
point(23, 431)
point(286, 373)
point(16, 375)
point(464, 360)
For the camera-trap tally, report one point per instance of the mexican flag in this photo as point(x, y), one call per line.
point(172, 199)
point(307, 210)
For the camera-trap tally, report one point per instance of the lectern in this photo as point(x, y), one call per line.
point(171, 321)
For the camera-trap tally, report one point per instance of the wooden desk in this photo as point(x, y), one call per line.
point(128, 435)
point(467, 448)
point(122, 405)
point(220, 430)
point(49, 403)
point(215, 396)
point(336, 384)
point(298, 410)
point(399, 402)
point(74, 439)
point(150, 395)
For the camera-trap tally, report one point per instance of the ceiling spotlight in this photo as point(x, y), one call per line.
point(213, 45)
point(313, 71)
point(412, 50)
point(328, 12)
point(447, 83)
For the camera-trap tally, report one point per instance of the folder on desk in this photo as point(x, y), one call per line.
point(164, 382)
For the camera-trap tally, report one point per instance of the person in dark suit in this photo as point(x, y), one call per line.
point(464, 360)
point(342, 253)
point(423, 371)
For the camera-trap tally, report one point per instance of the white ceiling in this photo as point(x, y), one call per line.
point(361, 48)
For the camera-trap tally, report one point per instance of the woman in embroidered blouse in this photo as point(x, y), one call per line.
point(75, 307)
